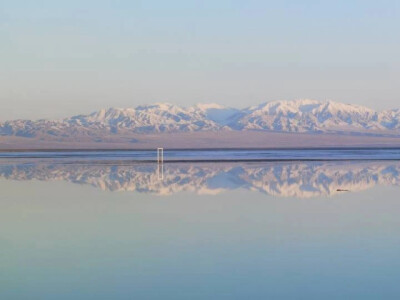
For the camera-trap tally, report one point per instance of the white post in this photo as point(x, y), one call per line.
point(160, 155)
point(160, 160)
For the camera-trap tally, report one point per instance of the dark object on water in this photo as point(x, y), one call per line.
point(342, 190)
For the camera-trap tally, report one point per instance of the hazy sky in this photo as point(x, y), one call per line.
point(59, 58)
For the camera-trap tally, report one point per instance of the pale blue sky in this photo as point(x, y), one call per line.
point(60, 58)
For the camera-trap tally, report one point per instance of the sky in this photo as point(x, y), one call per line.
point(60, 58)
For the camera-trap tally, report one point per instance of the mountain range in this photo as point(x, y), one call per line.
point(306, 116)
point(296, 123)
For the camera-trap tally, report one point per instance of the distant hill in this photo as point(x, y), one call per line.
point(132, 126)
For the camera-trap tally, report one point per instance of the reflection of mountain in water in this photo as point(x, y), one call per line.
point(297, 179)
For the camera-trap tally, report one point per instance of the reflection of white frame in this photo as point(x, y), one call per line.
point(160, 171)
point(160, 155)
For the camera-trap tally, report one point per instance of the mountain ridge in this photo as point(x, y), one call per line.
point(294, 116)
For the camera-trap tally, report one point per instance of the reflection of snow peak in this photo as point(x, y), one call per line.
point(305, 179)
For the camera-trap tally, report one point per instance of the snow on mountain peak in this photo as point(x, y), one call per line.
point(219, 114)
point(301, 115)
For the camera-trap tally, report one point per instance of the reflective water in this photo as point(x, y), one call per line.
point(284, 179)
point(215, 155)
point(231, 230)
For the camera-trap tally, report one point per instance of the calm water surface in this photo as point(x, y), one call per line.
point(108, 229)
point(215, 155)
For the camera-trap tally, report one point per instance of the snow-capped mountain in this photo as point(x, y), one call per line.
point(219, 114)
point(310, 116)
point(317, 116)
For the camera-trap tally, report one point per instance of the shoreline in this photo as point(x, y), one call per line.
point(201, 149)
